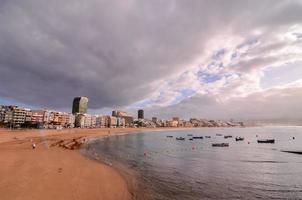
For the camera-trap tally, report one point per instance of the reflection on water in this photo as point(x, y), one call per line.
point(170, 169)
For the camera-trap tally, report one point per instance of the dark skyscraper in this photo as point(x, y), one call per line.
point(79, 105)
point(114, 113)
point(140, 114)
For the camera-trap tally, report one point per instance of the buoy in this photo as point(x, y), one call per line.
point(248, 142)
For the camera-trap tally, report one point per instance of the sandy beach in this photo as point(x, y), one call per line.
point(56, 169)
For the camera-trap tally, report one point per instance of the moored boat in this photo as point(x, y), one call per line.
point(239, 138)
point(197, 137)
point(271, 141)
point(228, 136)
point(169, 136)
point(220, 144)
point(180, 138)
point(207, 136)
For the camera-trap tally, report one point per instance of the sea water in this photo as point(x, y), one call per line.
point(162, 168)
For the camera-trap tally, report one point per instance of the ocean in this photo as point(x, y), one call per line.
point(161, 168)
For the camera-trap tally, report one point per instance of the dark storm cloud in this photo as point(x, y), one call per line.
point(114, 52)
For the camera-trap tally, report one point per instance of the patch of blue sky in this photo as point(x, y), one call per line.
point(187, 92)
point(282, 75)
point(142, 104)
point(208, 78)
point(183, 94)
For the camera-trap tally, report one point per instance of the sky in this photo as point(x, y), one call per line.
point(195, 58)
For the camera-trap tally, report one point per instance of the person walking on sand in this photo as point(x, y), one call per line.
point(33, 145)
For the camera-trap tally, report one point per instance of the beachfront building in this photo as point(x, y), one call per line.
point(140, 114)
point(154, 119)
point(8, 116)
point(175, 118)
point(70, 121)
point(28, 115)
point(79, 105)
point(80, 120)
point(18, 117)
point(188, 124)
point(87, 120)
point(2, 115)
point(144, 123)
point(172, 123)
point(37, 118)
point(101, 122)
point(120, 122)
point(93, 121)
point(128, 118)
point(112, 122)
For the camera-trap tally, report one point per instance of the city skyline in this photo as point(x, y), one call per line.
point(207, 59)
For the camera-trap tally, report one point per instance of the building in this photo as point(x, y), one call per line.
point(128, 119)
point(37, 118)
point(112, 122)
point(173, 123)
point(87, 120)
point(120, 122)
point(175, 118)
point(93, 121)
point(18, 117)
point(70, 121)
point(79, 105)
point(2, 114)
point(79, 120)
point(140, 114)
point(101, 122)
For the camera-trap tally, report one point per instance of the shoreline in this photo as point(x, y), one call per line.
point(58, 157)
point(55, 170)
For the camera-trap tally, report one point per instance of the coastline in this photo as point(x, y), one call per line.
point(58, 168)
point(53, 172)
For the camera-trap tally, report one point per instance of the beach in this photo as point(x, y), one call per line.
point(56, 169)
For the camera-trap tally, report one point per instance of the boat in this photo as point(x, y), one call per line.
point(190, 135)
point(169, 136)
point(207, 136)
point(228, 136)
point(239, 138)
point(180, 138)
point(271, 141)
point(197, 137)
point(220, 145)
point(219, 134)
point(191, 139)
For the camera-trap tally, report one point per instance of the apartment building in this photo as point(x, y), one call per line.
point(18, 117)
point(79, 120)
point(112, 122)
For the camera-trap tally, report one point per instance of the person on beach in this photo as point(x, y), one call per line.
point(33, 145)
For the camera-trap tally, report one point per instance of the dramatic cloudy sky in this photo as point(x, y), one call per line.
point(209, 59)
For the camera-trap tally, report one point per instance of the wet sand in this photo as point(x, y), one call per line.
point(56, 169)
